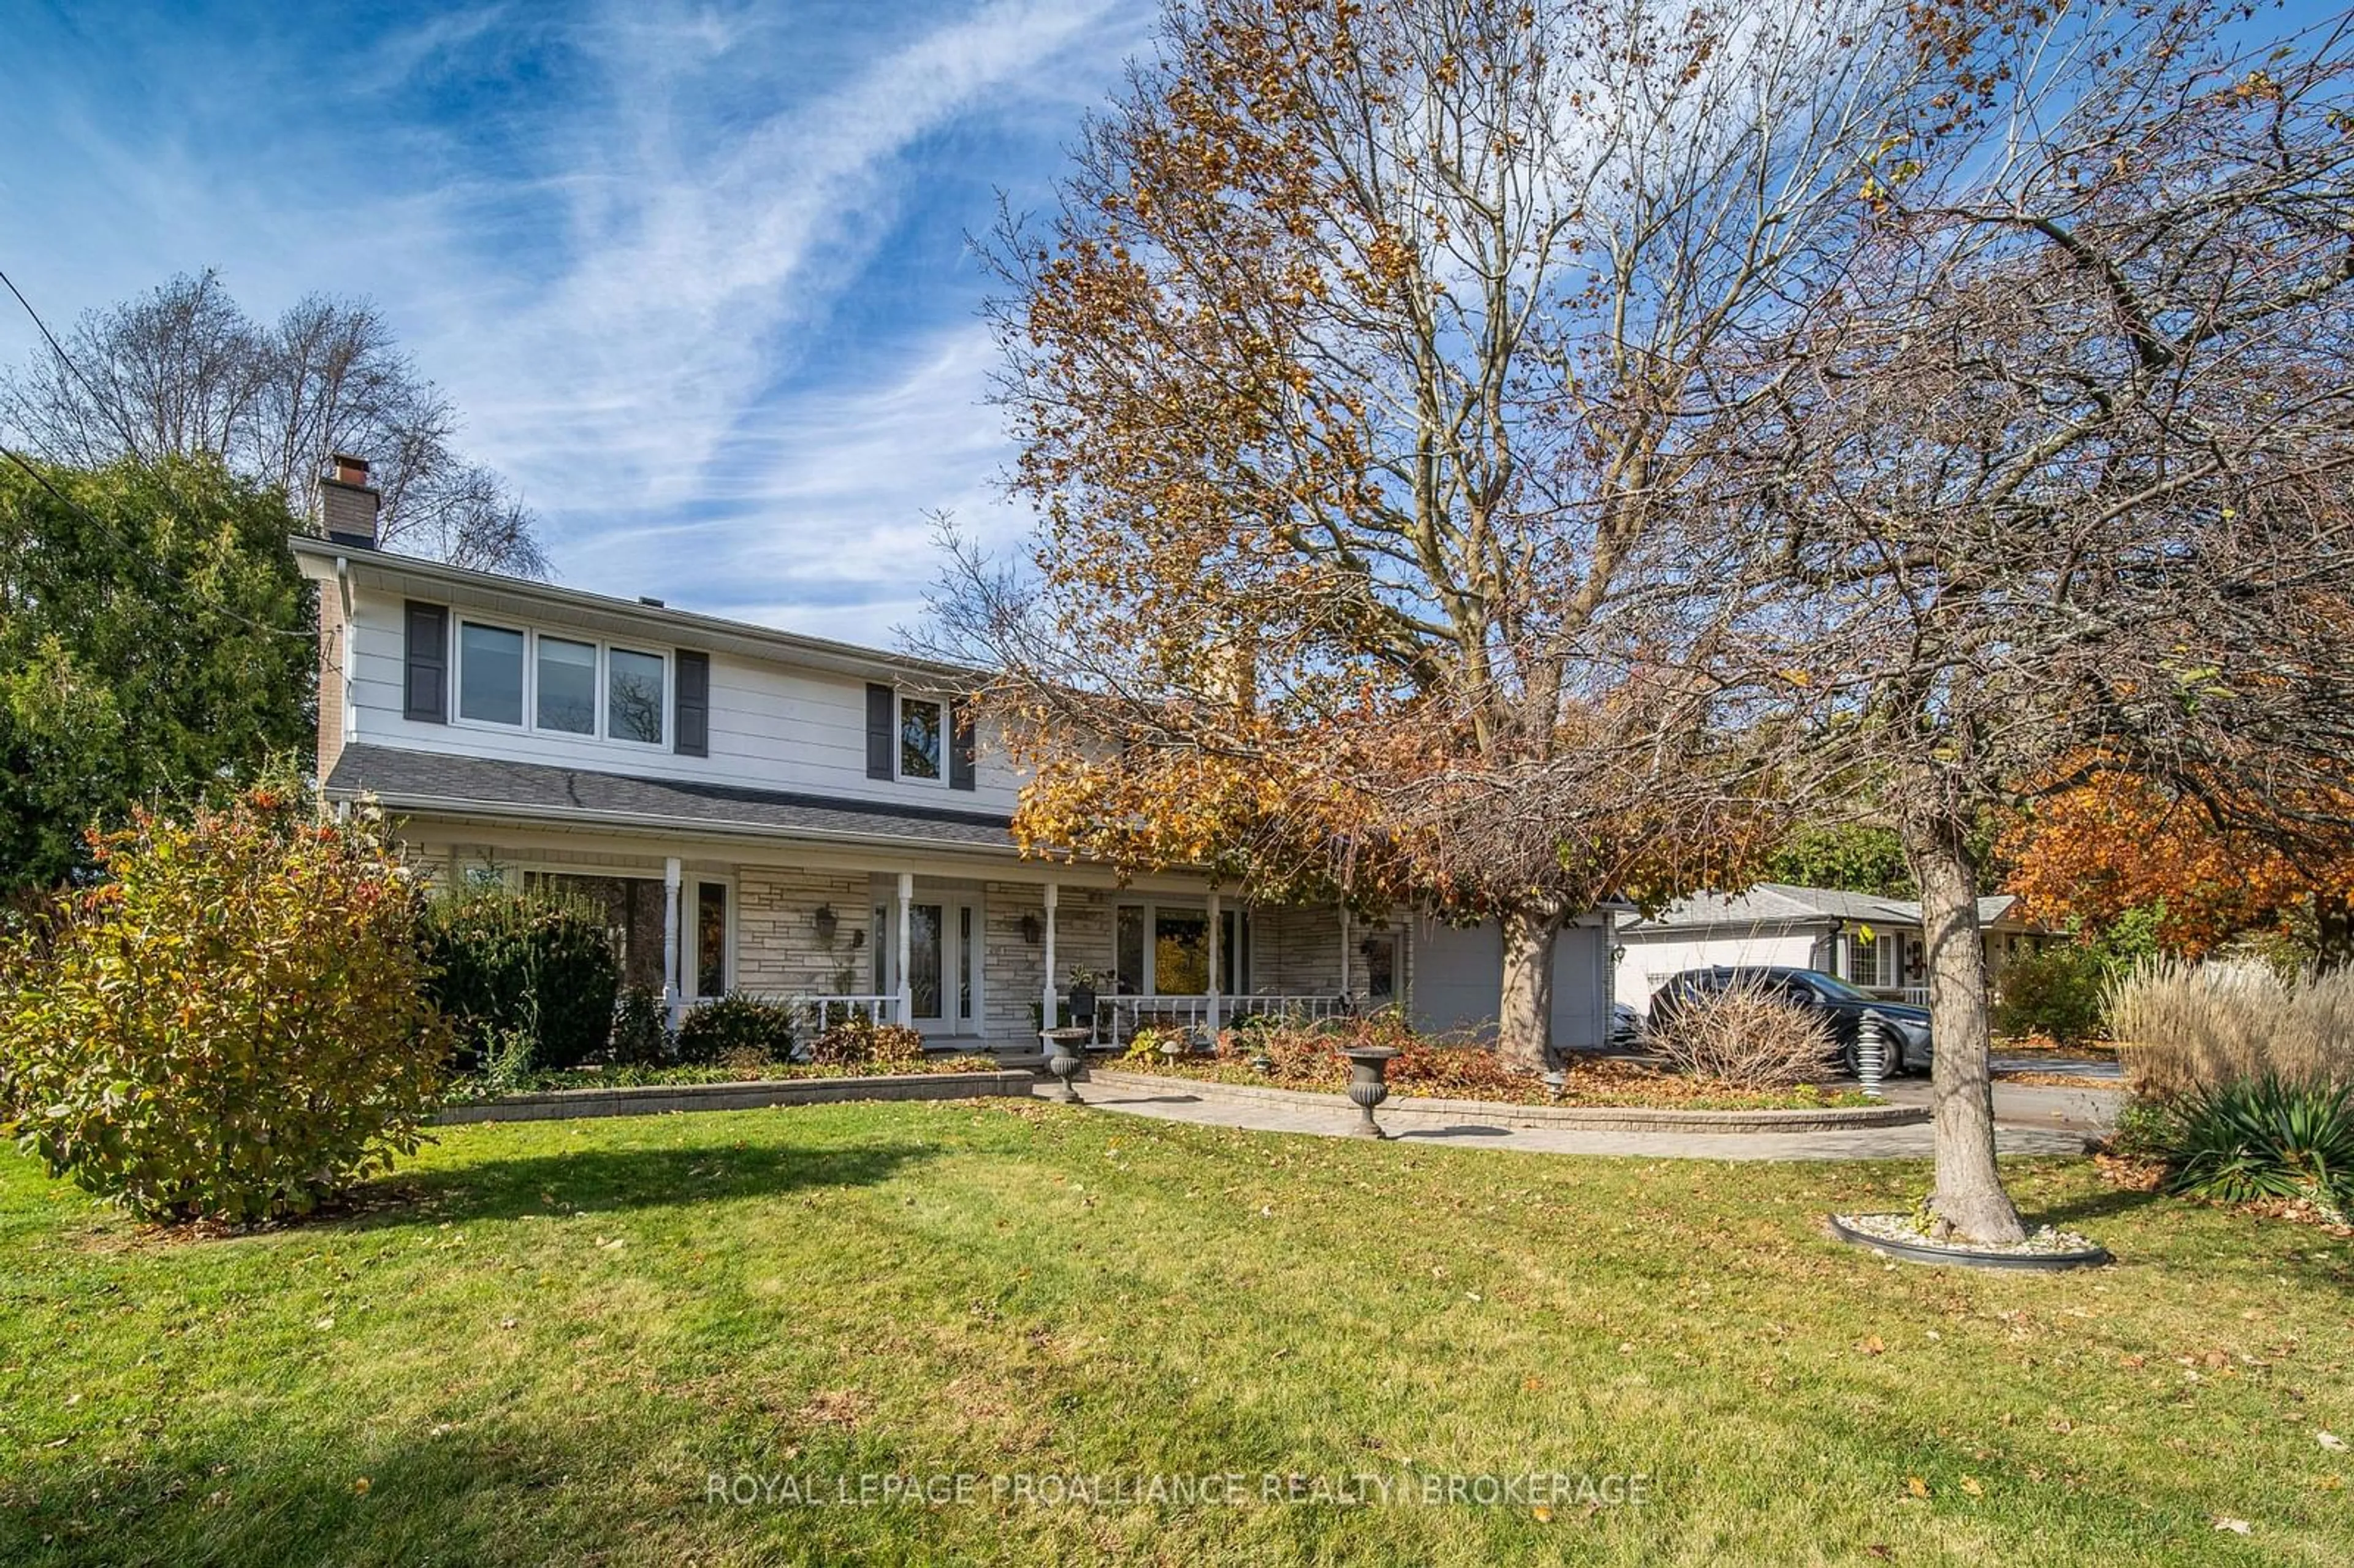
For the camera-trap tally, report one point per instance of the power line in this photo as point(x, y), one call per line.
point(123, 545)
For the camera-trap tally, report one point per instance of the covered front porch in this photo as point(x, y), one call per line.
point(973, 957)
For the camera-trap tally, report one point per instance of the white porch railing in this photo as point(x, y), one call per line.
point(812, 1014)
point(1118, 1018)
point(816, 1014)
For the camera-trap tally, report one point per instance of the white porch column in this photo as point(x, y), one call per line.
point(1217, 933)
point(1344, 950)
point(1046, 1019)
point(906, 985)
point(673, 993)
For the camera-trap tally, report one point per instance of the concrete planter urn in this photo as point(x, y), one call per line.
point(1369, 1084)
point(1062, 1058)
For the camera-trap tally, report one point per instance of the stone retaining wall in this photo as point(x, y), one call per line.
point(1600, 1119)
point(652, 1099)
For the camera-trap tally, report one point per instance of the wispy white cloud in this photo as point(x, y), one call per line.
point(691, 269)
point(700, 259)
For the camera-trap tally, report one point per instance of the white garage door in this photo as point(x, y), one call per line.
point(1458, 980)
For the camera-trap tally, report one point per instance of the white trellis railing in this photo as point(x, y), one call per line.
point(816, 1014)
point(1118, 1018)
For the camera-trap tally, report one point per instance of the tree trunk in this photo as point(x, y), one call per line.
point(1524, 1022)
point(1969, 1194)
point(2333, 932)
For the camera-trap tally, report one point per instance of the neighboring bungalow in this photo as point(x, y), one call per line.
point(1870, 942)
point(805, 820)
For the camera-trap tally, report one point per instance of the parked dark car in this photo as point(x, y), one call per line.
point(1906, 1027)
point(1625, 1027)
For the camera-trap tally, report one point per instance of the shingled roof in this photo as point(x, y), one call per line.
point(1781, 904)
point(406, 780)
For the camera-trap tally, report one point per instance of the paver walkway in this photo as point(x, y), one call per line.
point(2028, 1121)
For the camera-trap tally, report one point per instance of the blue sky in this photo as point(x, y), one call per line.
point(697, 274)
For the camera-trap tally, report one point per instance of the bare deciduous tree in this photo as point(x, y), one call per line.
point(183, 371)
point(2062, 487)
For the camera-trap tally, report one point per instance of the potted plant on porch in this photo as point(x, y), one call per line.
point(1082, 986)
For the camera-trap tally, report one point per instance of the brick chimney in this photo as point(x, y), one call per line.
point(347, 503)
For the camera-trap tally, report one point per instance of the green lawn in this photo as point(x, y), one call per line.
point(540, 1340)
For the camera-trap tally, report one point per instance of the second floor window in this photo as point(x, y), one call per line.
point(567, 686)
point(490, 673)
point(633, 696)
point(919, 738)
point(561, 685)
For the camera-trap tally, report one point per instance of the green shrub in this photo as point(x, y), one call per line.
point(737, 1028)
point(2059, 992)
point(234, 1025)
point(641, 1033)
point(506, 962)
point(2263, 1138)
point(858, 1041)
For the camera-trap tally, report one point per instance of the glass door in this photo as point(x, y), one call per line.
point(927, 938)
point(943, 964)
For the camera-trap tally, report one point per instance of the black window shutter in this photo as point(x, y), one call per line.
point(425, 688)
point(693, 704)
point(960, 745)
point(880, 721)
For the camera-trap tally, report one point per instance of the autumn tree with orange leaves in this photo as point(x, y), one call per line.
point(2116, 844)
point(1359, 372)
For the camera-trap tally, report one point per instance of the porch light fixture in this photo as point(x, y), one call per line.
point(1032, 931)
point(826, 924)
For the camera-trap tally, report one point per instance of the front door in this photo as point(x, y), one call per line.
point(943, 961)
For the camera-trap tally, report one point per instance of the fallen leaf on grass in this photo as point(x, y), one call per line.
point(1543, 1514)
point(2329, 1440)
point(1970, 1485)
point(360, 1487)
point(2236, 1526)
point(1871, 1345)
point(1916, 1486)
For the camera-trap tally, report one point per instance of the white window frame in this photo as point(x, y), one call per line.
point(1244, 940)
point(1880, 952)
point(457, 677)
point(899, 701)
point(601, 734)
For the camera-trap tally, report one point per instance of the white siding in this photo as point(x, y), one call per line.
point(1651, 960)
point(773, 725)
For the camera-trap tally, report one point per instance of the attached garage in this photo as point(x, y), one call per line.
point(1458, 980)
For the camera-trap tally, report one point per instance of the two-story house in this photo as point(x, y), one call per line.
point(804, 819)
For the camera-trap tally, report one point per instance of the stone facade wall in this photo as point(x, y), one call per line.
point(1299, 952)
point(778, 951)
point(1013, 971)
